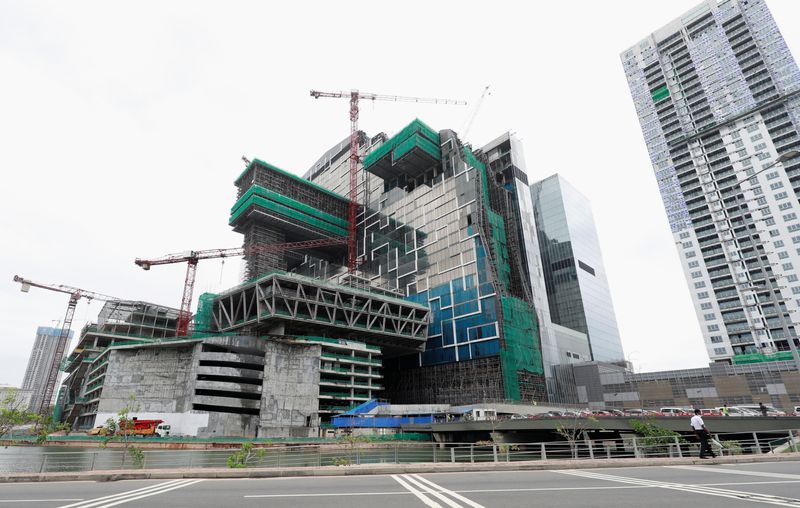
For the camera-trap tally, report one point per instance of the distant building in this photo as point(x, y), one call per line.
point(577, 288)
point(717, 94)
point(608, 385)
point(39, 363)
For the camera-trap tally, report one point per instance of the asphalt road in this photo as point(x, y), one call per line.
point(769, 483)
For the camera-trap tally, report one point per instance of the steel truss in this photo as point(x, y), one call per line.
point(327, 308)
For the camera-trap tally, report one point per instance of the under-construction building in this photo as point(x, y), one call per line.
point(439, 309)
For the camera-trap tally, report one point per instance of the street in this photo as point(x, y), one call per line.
point(773, 483)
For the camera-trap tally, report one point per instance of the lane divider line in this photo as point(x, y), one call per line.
point(422, 486)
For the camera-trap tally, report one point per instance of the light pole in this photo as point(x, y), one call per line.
point(768, 284)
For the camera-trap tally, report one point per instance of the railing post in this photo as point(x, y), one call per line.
point(591, 448)
point(635, 448)
point(757, 443)
point(319, 456)
point(452, 454)
point(494, 452)
point(508, 453)
point(472, 452)
point(678, 445)
point(94, 458)
point(434, 453)
point(44, 461)
point(358, 456)
point(792, 444)
point(396, 454)
point(543, 451)
point(191, 459)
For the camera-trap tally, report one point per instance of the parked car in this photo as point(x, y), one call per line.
point(710, 412)
point(738, 411)
point(676, 411)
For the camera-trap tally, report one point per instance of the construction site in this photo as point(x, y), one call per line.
point(398, 268)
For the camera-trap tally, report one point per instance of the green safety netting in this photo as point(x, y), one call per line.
point(760, 358)
point(660, 93)
point(286, 211)
point(285, 200)
point(205, 313)
point(521, 349)
point(426, 138)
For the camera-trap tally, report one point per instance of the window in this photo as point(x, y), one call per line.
point(702, 295)
point(690, 254)
point(774, 232)
point(787, 266)
point(792, 278)
point(761, 201)
point(769, 221)
point(793, 227)
point(684, 235)
point(694, 264)
point(790, 216)
point(761, 156)
point(781, 195)
point(757, 191)
point(778, 244)
point(776, 185)
point(686, 245)
point(756, 138)
point(752, 127)
point(705, 306)
point(709, 317)
point(719, 350)
point(782, 255)
point(796, 239)
point(698, 285)
point(785, 206)
point(796, 290)
point(760, 146)
point(772, 175)
point(713, 328)
point(697, 275)
point(716, 339)
point(739, 144)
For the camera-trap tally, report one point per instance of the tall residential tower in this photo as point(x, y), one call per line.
point(42, 356)
point(718, 98)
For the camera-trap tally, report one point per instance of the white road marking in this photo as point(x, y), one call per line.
point(697, 489)
point(461, 498)
point(126, 494)
point(449, 502)
point(739, 471)
point(422, 497)
point(38, 500)
point(329, 494)
point(148, 494)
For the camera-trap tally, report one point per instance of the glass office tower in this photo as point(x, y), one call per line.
point(717, 94)
point(577, 288)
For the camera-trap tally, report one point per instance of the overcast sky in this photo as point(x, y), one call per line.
point(122, 127)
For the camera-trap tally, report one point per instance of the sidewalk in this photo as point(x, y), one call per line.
point(375, 469)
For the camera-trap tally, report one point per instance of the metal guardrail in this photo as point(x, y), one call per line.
point(37, 459)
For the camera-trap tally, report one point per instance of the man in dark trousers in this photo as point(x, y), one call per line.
point(762, 408)
point(702, 433)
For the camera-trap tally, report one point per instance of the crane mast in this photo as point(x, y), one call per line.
point(75, 294)
point(352, 208)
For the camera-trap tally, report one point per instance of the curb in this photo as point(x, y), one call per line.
point(380, 469)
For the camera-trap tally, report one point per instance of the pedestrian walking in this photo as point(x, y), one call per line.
point(725, 410)
point(702, 433)
point(762, 408)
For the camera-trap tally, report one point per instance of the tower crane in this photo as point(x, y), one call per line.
point(75, 294)
point(191, 258)
point(355, 96)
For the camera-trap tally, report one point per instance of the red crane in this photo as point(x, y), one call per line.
point(75, 294)
point(354, 96)
point(191, 259)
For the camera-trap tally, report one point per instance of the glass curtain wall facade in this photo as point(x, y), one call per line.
point(717, 94)
point(574, 274)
